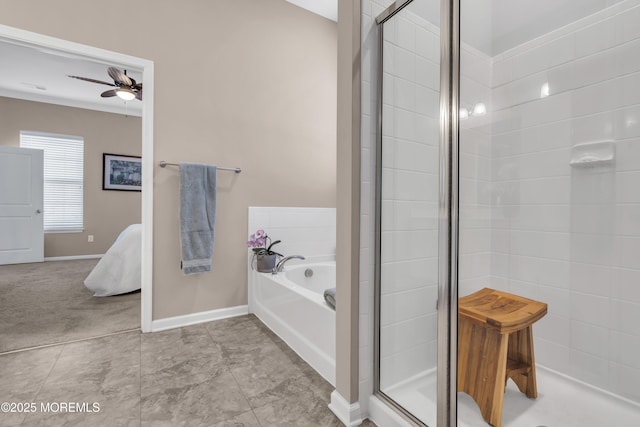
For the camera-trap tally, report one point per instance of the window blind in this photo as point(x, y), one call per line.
point(63, 179)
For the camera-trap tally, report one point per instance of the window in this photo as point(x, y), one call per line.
point(63, 179)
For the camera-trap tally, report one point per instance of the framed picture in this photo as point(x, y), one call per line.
point(122, 173)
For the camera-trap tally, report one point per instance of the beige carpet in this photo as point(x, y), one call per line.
point(46, 303)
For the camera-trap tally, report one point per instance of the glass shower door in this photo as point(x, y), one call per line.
point(408, 208)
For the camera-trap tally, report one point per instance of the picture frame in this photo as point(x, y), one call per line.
point(121, 172)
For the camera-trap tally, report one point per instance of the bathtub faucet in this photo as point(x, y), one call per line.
point(278, 268)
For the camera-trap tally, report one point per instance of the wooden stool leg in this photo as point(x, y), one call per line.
point(522, 365)
point(482, 364)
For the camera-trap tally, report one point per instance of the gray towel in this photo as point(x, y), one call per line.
point(197, 216)
point(330, 297)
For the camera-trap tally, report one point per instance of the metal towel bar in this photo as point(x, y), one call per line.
point(236, 170)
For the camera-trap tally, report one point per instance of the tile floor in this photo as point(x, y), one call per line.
point(232, 372)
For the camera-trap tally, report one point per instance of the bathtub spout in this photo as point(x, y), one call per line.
point(278, 268)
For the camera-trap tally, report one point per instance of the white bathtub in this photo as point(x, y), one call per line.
point(293, 307)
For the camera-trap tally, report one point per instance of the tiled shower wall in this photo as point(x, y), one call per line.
point(570, 236)
point(530, 223)
point(409, 250)
point(410, 219)
point(310, 232)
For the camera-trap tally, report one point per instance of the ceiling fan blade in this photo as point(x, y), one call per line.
point(87, 79)
point(137, 86)
point(108, 93)
point(139, 93)
point(118, 76)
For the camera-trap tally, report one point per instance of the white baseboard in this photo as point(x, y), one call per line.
point(72, 257)
point(195, 318)
point(348, 413)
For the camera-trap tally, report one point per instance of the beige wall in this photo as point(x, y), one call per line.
point(348, 201)
point(106, 213)
point(247, 83)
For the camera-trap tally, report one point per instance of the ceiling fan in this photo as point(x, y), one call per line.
point(125, 87)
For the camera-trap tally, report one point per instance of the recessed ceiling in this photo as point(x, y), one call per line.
point(41, 75)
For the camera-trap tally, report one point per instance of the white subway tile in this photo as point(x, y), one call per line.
point(626, 285)
point(591, 309)
point(405, 275)
point(591, 279)
point(403, 336)
point(628, 24)
point(624, 381)
point(427, 130)
point(405, 124)
point(405, 33)
point(628, 155)
point(474, 265)
point(553, 190)
point(475, 240)
point(593, 218)
point(628, 97)
point(627, 123)
point(554, 328)
point(404, 94)
point(388, 121)
point(546, 110)
point(556, 298)
point(427, 101)
point(409, 215)
point(404, 365)
point(552, 355)
point(427, 73)
point(592, 248)
point(402, 306)
point(592, 128)
point(627, 187)
point(408, 245)
point(558, 51)
point(404, 63)
point(596, 37)
point(561, 79)
point(427, 45)
point(588, 368)
point(407, 185)
point(628, 60)
point(541, 218)
point(501, 72)
point(625, 317)
point(595, 68)
point(625, 349)
point(597, 98)
point(505, 145)
point(553, 136)
point(590, 339)
point(627, 252)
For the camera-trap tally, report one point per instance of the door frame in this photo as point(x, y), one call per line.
point(448, 213)
point(449, 218)
point(81, 51)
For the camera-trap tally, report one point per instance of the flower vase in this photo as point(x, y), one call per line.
point(266, 263)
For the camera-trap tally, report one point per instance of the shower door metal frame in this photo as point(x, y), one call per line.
point(448, 208)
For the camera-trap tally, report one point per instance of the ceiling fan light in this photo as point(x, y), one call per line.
point(125, 93)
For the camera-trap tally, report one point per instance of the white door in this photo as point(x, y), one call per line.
point(21, 182)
